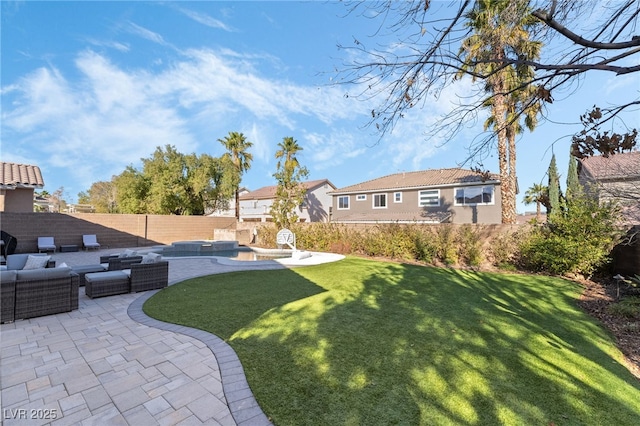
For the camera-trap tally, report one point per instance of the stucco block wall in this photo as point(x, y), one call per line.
point(16, 200)
point(112, 230)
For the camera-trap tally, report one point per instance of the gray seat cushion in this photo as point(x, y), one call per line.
point(97, 277)
point(89, 268)
point(43, 274)
point(8, 276)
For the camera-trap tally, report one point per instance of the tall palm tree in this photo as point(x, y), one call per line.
point(287, 151)
point(237, 147)
point(500, 28)
point(539, 194)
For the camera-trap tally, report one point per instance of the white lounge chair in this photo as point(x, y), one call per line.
point(46, 244)
point(90, 242)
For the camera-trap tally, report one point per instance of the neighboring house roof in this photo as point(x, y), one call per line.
point(419, 179)
point(269, 192)
point(13, 175)
point(617, 166)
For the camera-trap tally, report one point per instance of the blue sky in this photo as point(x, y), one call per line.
point(91, 87)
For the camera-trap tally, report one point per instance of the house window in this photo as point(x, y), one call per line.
point(343, 203)
point(397, 197)
point(474, 195)
point(429, 198)
point(361, 197)
point(379, 201)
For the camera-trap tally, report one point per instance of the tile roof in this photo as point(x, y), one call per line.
point(419, 179)
point(13, 175)
point(268, 192)
point(616, 166)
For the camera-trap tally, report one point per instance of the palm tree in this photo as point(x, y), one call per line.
point(237, 147)
point(539, 194)
point(288, 149)
point(501, 27)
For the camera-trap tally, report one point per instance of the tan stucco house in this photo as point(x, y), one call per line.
point(17, 185)
point(614, 178)
point(255, 206)
point(453, 195)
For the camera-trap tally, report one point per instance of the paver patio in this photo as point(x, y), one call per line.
point(109, 363)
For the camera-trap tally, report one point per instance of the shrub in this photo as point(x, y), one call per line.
point(505, 248)
point(446, 250)
point(577, 240)
point(469, 245)
point(628, 307)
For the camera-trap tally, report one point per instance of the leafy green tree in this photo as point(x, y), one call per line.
point(290, 191)
point(101, 195)
point(555, 194)
point(238, 154)
point(538, 194)
point(132, 189)
point(171, 183)
point(500, 27)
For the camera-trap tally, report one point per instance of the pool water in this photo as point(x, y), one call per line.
point(239, 254)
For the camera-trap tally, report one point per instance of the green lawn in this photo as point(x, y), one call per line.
point(362, 342)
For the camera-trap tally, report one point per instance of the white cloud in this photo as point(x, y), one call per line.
point(122, 47)
point(205, 19)
point(146, 34)
point(331, 149)
point(112, 117)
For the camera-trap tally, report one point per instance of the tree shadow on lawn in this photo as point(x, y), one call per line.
point(450, 347)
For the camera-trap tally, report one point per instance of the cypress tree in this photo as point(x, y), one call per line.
point(554, 187)
point(573, 184)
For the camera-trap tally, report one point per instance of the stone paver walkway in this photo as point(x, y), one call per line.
point(108, 363)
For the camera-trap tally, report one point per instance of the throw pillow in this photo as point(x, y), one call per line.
point(146, 259)
point(36, 262)
point(62, 265)
point(127, 253)
point(156, 257)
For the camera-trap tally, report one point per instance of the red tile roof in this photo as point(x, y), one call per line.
point(13, 175)
point(268, 192)
point(419, 179)
point(616, 166)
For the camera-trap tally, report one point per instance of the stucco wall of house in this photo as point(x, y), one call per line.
point(317, 203)
point(255, 210)
point(316, 206)
point(487, 214)
point(16, 200)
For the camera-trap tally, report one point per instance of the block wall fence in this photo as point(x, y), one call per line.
point(112, 230)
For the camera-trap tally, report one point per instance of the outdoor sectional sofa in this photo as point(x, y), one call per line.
point(37, 292)
point(138, 277)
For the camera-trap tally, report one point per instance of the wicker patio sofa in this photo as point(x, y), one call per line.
point(139, 277)
point(37, 292)
point(115, 262)
point(149, 276)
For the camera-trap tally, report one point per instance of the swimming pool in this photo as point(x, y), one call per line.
point(240, 253)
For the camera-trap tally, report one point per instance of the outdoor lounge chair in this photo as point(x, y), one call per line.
point(90, 242)
point(46, 244)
